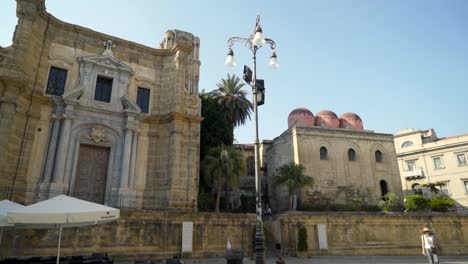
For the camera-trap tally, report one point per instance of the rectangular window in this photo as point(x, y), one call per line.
point(143, 96)
point(56, 82)
point(461, 159)
point(465, 183)
point(411, 165)
point(103, 89)
point(438, 163)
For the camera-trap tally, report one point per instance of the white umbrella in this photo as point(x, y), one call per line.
point(62, 211)
point(5, 207)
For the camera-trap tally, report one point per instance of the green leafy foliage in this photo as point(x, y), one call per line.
point(415, 203)
point(389, 202)
point(223, 166)
point(206, 202)
point(231, 96)
point(247, 203)
point(441, 204)
point(302, 239)
point(215, 130)
point(292, 175)
point(435, 187)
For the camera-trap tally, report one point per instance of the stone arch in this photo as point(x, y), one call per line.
point(98, 135)
point(323, 143)
point(384, 188)
point(357, 151)
point(352, 155)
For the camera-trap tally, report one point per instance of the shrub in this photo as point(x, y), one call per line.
point(206, 202)
point(302, 239)
point(415, 202)
point(441, 204)
point(389, 202)
point(247, 203)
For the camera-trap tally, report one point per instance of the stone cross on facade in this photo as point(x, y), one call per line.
point(109, 45)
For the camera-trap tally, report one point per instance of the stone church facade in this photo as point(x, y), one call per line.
point(98, 117)
point(349, 165)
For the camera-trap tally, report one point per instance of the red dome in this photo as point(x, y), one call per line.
point(327, 118)
point(351, 121)
point(301, 117)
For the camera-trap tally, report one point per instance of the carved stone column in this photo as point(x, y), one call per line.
point(61, 157)
point(133, 159)
point(51, 151)
point(126, 158)
point(7, 118)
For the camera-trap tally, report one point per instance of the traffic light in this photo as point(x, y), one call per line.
point(260, 86)
point(247, 76)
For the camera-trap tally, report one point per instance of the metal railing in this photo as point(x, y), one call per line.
point(158, 201)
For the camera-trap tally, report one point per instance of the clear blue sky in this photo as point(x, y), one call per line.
point(398, 64)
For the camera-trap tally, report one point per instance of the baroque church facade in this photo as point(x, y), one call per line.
point(98, 117)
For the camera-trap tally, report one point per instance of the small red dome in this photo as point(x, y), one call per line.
point(301, 117)
point(351, 121)
point(327, 118)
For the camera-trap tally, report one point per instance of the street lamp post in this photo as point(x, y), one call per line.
point(254, 42)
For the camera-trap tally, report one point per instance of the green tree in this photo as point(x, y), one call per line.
point(223, 165)
point(292, 175)
point(388, 203)
point(215, 130)
point(302, 244)
point(435, 187)
point(232, 99)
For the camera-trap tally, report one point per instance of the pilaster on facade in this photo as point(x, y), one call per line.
point(108, 129)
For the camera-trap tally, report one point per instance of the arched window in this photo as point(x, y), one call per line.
point(323, 153)
point(417, 189)
point(378, 156)
point(407, 144)
point(383, 188)
point(250, 164)
point(351, 154)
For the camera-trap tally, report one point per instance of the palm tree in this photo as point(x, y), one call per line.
point(292, 175)
point(223, 165)
point(233, 101)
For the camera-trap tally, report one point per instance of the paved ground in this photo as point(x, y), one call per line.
point(344, 260)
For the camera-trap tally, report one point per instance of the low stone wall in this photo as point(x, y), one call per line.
point(140, 235)
point(374, 233)
point(144, 235)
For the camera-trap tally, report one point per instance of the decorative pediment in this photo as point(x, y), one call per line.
point(129, 105)
point(107, 62)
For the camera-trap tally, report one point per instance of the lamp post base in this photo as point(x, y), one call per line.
point(260, 257)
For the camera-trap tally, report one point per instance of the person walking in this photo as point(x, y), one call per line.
point(429, 246)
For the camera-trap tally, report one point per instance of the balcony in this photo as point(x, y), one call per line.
point(413, 174)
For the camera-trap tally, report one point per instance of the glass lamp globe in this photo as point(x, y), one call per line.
point(230, 61)
point(258, 39)
point(273, 61)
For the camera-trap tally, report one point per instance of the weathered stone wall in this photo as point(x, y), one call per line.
point(167, 162)
point(138, 235)
point(155, 235)
point(374, 233)
point(336, 179)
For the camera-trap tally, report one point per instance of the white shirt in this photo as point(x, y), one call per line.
point(428, 241)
